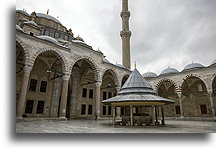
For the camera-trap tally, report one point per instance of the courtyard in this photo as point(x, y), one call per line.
point(105, 126)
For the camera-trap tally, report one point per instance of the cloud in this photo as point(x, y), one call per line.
point(164, 33)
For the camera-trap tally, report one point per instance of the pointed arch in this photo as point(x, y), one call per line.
point(90, 62)
point(191, 75)
point(114, 73)
point(57, 53)
point(25, 50)
point(169, 80)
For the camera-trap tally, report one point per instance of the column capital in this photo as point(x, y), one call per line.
point(27, 68)
point(66, 77)
point(179, 94)
point(98, 84)
point(209, 92)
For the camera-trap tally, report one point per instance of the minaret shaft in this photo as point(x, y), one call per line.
point(125, 35)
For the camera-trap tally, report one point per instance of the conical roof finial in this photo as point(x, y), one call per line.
point(135, 64)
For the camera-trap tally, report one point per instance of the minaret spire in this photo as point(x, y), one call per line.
point(125, 35)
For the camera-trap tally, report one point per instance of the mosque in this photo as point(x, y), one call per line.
point(59, 76)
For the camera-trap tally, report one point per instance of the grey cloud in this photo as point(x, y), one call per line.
point(164, 32)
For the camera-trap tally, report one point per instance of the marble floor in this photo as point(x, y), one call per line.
point(105, 126)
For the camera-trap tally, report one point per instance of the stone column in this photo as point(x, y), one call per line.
point(125, 34)
point(63, 103)
point(153, 115)
point(56, 93)
point(156, 115)
point(162, 114)
point(98, 99)
point(212, 103)
point(114, 111)
point(23, 91)
point(118, 109)
point(131, 115)
point(181, 103)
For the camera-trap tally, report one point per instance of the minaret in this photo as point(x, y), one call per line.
point(125, 35)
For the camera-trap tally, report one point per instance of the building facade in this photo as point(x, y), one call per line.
point(192, 89)
point(60, 76)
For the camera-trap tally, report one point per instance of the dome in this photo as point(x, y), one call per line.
point(169, 70)
point(19, 28)
point(99, 51)
point(214, 62)
point(193, 65)
point(149, 75)
point(48, 17)
point(119, 65)
point(31, 22)
point(23, 12)
point(48, 38)
point(105, 60)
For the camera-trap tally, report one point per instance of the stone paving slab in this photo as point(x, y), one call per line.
point(105, 126)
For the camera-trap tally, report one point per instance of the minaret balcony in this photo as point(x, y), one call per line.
point(125, 14)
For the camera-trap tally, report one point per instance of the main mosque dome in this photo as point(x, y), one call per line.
point(193, 65)
point(169, 70)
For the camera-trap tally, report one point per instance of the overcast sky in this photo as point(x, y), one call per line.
point(164, 32)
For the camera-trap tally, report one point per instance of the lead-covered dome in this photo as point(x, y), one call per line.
point(149, 75)
point(214, 62)
point(19, 28)
point(169, 71)
point(49, 39)
point(193, 65)
point(31, 23)
point(47, 17)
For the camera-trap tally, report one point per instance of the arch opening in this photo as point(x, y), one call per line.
point(196, 101)
point(82, 90)
point(167, 89)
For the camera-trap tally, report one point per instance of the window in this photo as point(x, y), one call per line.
point(91, 93)
point(90, 109)
point(104, 110)
point(33, 84)
point(32, 33)
point(56, 35)
point(177, 109)
point(84, 93)
point(29, 106)
point(104, 95)
point(203, 109)
point(114, 94)
point(110, 95)
point(40, 107)
point(109, 110)
point(83, 110)
point(43, 86)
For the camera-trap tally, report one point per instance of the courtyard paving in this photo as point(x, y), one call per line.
point(105, 126)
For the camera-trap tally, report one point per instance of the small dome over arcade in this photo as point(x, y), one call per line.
point(19, 28)
point(193, 65)
point(31, 23)
point(119, 65)
point(105, 60)
point(214, 62)
point(149, 75)
point(169, 71)
point(49, 39)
